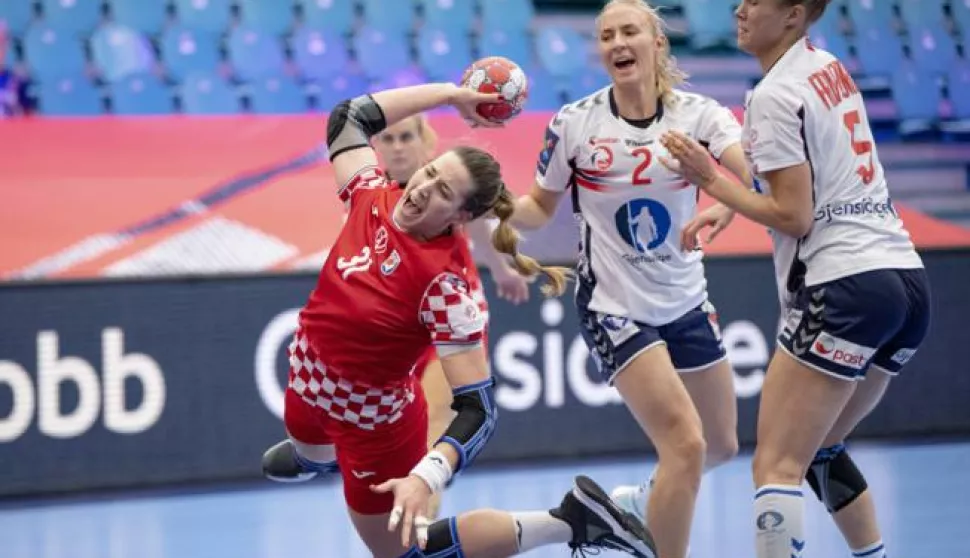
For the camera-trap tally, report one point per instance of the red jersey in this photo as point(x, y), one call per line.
point(383, 297)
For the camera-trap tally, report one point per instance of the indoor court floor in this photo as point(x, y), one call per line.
point(922, 494)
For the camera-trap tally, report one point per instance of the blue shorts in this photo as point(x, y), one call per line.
point(877, 318)
point(693, 340)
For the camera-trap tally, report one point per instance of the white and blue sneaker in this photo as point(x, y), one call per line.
point(633, 499)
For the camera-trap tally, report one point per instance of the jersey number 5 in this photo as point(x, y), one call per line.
point(647, 157)
point(860, 146)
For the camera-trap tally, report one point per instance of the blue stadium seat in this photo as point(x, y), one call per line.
point(961, 14)
point(18, 15)
point(710, 22)
point(444, 52)
point(51, 54)
point(917, 95)
point(835, 43)
point(918, 13)
point(332, 15)
point(79, 17)
point(9, 58)
point(879, 51)
point(562, 51)
point(120, 51)
point(401, 78)
point(277, 95)
point(586, 82)
point(319, 53)
point(338, 88)
point(254, 54)
point(958, 84)
point(208, 94)
point(145, 16)
point(830, 23)
point(274, 17)
point(456, 14)
point(871, 14)
point(185, 52)
point(511, 15)
point(140, 95)
point(545, 90)
point(510, 43)
point(381, 52)
point(69, 96)
point(203, 15)
point(393, 16)
point(932, 48)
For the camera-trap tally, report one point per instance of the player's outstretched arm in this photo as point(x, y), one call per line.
point(535, 209)
point(353, 122)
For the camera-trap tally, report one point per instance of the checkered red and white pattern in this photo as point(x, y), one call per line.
point(363, 406)
point(478, 295)
point(367, 178)
point(450, 312)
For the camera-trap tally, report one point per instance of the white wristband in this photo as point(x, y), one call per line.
point(434, 470)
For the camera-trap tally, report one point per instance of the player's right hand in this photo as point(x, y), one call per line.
point(467, 100)
point(718, 217)
point(411, 497)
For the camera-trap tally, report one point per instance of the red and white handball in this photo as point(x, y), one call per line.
point(496, 74)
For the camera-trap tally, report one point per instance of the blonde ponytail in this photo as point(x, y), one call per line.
point(506, 240)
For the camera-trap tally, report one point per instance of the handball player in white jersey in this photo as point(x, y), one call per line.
point(854, 295)
point(641, 294)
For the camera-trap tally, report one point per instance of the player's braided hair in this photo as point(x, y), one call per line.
point(814, 9)
point(666, 71)
point(490, 193)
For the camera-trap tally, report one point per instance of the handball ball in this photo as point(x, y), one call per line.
point(496, 74)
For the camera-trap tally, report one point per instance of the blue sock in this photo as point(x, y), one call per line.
point(874, 550)
point(316, 466)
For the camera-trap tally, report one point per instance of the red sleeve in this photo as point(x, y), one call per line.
point(450, 313)
point(367, 178)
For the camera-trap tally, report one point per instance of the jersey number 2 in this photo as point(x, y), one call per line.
point(860, 146)
point(647, 156)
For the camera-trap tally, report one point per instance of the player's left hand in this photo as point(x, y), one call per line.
point(689, 159)
point(466, 100)
point(510, 284)
point(411, 497)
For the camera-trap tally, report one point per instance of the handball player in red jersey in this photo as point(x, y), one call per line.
point(403, 149)
point(393, 284)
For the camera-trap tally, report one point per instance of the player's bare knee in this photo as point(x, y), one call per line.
point(685, 454)
point(721, 448)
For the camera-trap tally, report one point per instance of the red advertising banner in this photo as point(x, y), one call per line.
point(137, 197)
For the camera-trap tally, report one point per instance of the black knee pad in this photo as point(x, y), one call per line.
point(442, 541)
point(835, 479)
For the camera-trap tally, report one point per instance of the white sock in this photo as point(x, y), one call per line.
point(779, 521)
point(874, 550)
point(538, 528)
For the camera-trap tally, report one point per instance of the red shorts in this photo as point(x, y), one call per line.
point(368, 454)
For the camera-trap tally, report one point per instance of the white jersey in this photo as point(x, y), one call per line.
point(807, 108)
point(630, 208)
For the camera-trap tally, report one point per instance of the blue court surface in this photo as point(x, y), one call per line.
point(922, 494)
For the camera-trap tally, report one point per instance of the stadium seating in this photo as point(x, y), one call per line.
point(140, 95)
point(187, 52)
point(145, 16)
point(69, 96)
point(266, 55)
